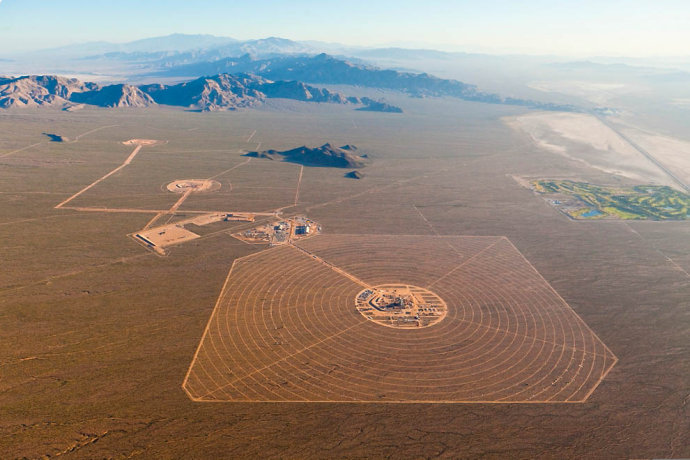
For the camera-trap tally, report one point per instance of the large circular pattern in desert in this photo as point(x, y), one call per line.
point(286, 327)
point(401, 306)
point(193, 185)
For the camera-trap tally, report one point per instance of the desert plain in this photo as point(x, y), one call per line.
point(100, 333)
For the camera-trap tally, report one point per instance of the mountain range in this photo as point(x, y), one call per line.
point(326, 69)
point(40, 90)
point(218, 92)
point(186, 57)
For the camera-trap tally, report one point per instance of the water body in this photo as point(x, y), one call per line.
point(592, 213)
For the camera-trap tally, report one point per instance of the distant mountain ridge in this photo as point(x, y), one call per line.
point(215, 93)
point(174, 43)
point(193, 56)
point(178, 49)
point(326, 69)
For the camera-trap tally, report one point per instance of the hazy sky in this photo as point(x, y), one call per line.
point(566, 27)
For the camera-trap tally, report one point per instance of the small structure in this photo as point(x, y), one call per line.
point(281, 232)
point(303, 229)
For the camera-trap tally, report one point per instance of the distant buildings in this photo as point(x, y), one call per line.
point(303, 229)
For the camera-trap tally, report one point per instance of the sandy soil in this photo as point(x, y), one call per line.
point(98, 333)
point(162, 236)
point(597, 92)
point(206, 219)
point(585, 139)
point(671, 152)
point(167, 235)
point(127, 161)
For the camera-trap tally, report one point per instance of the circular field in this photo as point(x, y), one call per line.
point(290, 326)
point(401, 306)
point(193, 185)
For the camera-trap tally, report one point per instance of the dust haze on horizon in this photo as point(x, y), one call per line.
point(635, 28)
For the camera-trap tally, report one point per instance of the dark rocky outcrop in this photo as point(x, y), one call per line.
point(56, 137)
point(371, 105)
point(355, 175)
point(326, 155)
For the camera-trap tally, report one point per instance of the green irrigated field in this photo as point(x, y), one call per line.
point(641, 202)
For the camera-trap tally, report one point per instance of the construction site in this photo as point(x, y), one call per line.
point(161, 237)
point(281, 232)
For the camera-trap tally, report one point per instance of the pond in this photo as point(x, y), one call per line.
point(592, 213)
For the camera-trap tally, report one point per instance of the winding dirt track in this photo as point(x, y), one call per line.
point(285, 328)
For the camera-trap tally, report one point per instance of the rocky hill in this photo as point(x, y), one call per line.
point(371, 105)
point(327, 155)
point(220, 92)
point(354, 174)
point(39, 90)
point(229, 92)
point(114, 96)
point(303, 92)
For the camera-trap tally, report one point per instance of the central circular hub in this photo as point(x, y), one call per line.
point(401, 306)
point(193, 185)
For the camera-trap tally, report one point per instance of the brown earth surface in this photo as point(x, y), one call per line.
point(98, 333)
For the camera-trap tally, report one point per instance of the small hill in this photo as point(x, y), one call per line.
point(56, 137)
point(371, 105)
point(73, 107)
point(326, 156)
point(354, 175)
point(115, 96)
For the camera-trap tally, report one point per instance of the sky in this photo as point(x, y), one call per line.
point(636, 28)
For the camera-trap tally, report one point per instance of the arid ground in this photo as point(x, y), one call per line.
point(98, 332)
